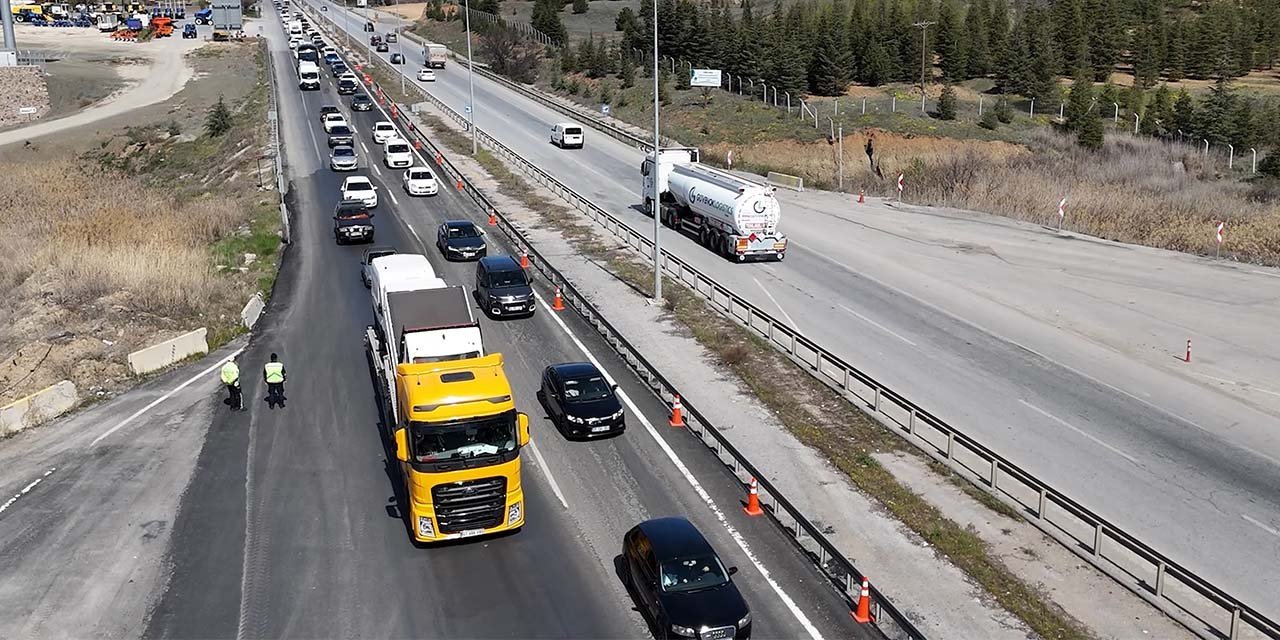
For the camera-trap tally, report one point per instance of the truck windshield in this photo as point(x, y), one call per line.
point(481, 437)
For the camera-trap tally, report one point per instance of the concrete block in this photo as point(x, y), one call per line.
point(39, 407)
point(252, 309)
point(795, 183)
point(159, 356)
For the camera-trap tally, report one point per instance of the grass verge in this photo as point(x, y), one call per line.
point(811, 411)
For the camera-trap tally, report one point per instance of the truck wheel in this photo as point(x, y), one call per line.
point(702, 237)
point(648, 207)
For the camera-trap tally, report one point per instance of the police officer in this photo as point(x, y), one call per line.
point(231, 378)
point(273, 374)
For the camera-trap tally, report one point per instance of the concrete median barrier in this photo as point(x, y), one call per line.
point(252, 310)
point(795, 183)
point(37, 408)
point(159, 356)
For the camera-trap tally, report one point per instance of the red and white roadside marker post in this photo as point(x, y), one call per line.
point(901, 183)
point(728, 159)
point(1062, 211)
point(1217, 250)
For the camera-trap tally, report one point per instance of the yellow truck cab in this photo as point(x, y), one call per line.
point(458, 438)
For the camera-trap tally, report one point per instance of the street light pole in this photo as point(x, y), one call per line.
point(471, 79)
point(656, 170)
point(400, 47)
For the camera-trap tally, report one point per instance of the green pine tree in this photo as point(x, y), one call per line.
point(1069, 35)
point(1105, 37)
point(1080, 103)
point(546, 18)
point(1003, 111)
point(877, 69)
point(1184, 114)
point(218, 120)
point(950, 43)
point(580, 6)
point(989, 120)
point(978, 60)
point(1155, 121)
point(627, 74)
point(826, 68)
point(1090, 135)
point(947, 103)
point(1216, 120)
point(626, 20)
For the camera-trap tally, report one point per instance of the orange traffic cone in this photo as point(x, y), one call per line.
point(493, 218)
point(862, 196)
point(753, 500)
point(677, 412)
point(558, 303)
point(863, 614)
point(439, 158)
point(417, 144)
point(394, 113)
point(524, 258)
point(459, 183)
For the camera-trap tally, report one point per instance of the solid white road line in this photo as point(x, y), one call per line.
point(1073, 428)
point(1243, 386)
point(1270, 530)
point(391, 194)
point(166, 396)
point(775, 303)
point(546, 470)
point(688, 476)
point(875, 324)
point(25, 490)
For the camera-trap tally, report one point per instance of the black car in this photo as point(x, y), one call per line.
point(460, 239)
point(328, 109)
point(352, 222)
point(347, 86)
point(368, 26)
point(502, 287)
point(580, 401)
point(680, 584)
point(382, 47)
point(338, 68)
point(366, 261)
point(341, 135)
point(396, 58)
point(361, 102)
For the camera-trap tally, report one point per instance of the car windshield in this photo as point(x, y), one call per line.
point(693, 574)
point(468, 231)
point(472, 439)
point(360, 98)
point(397, 148)
point(384, 128)
point(586, 389)
point(344, 152)
point(504, 279)
point(359, 186)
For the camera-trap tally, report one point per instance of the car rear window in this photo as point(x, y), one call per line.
point(340, 130)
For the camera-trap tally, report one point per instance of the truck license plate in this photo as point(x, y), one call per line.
point(470, 532)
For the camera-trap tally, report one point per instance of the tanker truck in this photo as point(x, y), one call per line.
point(733, 217)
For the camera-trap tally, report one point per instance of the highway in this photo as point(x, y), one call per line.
point(1060, 353)
point(290, 527)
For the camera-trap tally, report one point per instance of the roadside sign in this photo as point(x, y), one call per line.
point(467, 109)
point(26, 111)
point(604, 108)
point(704, 78)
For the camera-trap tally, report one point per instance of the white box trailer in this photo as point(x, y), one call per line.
point(435, 55)
point(732, 216)
point(422, 318)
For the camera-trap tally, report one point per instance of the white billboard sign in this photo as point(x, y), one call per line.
point(704, 78)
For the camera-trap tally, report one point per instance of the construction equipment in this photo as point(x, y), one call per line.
point(221, 36)
point(162, 26)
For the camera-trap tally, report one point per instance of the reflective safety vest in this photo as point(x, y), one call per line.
point(274, 371)
point(230, 373)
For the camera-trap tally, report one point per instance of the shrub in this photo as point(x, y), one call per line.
point(218, 121)
point(947, 103)
point(989, 120)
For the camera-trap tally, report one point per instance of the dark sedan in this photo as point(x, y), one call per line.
point(460, 240)
point(340, 135)
point(361, 102)
point(680, 584)
point(580, 402)
point(382, 47)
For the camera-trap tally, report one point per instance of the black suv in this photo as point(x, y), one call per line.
point(361, 102)
point(680, 584)
point(580, 401)
point(502, 287)
point(347, 86)
point(352, 222)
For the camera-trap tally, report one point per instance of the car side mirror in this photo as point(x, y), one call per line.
point(522, 422)
point(402, 445)
point(335, 217)
point(614, 387)
point(733, 570)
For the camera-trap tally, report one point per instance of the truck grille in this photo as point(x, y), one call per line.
point(470, 504)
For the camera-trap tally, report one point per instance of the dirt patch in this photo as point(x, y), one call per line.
point(78, 82)
point(135, 233)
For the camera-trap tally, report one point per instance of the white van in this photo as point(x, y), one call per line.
point(566, 135)
point(308, 76)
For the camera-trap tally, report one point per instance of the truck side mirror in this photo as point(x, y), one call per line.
point(522, 422)
point(402, 445)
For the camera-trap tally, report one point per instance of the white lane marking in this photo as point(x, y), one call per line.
point(875, 324)
point(1265, 273)
point(314, 139)
point(1270, 530)
point(8, 503)
point(392, 195)
point(166, 396)
point(377, 167)
point(693, 482)
point(775, 303)
point(546, 470)
point(1073, 428)
point(365, 147)
point(1243, 386)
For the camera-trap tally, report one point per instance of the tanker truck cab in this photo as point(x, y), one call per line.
point(458, 440)
point(730, 215)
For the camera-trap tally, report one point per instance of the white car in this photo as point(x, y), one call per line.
point(349, 75)
point(334, 119)
point(328, 50)
point(397, 154)
point(360, 188)
point(426, 75)
point(419, 181)
point(384, 131)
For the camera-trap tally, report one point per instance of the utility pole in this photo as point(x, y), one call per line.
point(657, 145)
point(924, 58)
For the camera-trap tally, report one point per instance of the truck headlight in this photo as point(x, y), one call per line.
point(425, 528)
point(687, 632)
point(513, 513)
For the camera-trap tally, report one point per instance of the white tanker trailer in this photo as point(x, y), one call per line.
point(734, 217)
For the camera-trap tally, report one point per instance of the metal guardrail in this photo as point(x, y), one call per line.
point(1203, 607)
point(833, 564)
point(273, 117)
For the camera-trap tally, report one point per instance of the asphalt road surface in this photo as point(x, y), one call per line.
point(1060, 353)
point(290, 529)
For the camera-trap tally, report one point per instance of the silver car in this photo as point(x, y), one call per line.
point(343, 158)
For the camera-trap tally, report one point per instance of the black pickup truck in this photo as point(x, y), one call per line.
point(352, 222)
